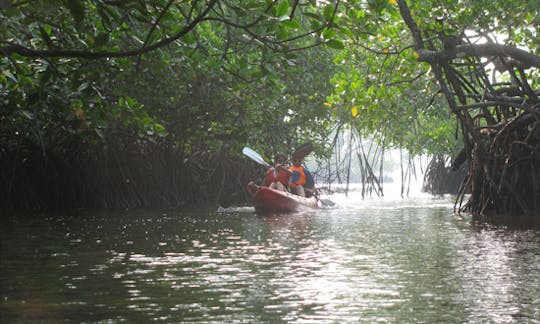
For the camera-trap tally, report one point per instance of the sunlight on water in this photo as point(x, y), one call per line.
point(363, 260)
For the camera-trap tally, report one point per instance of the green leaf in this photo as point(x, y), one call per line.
point(346, 31)
point(10, 75)
point(291, 24)
point(99, 133)
point(335, 44)
point(282, 8)
point(147, 121)
point(267, 68)
point(160, 129)
point(282, 34)
point(82, 87)
point(314, 16)
point(27, 114)
point(328, 12)
point(329, 33)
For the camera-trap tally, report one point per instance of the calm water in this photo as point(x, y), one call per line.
point(372, 260)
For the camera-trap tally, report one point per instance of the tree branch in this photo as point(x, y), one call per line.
point(491, 104)
point(520, 58)
point(154, 25)
point(413, 27)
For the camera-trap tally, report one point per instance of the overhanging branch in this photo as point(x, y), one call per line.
point(519, 58)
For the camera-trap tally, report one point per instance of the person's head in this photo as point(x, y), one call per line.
point(296, 161)
point(280, 158)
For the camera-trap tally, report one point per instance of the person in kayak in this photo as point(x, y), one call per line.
point(302, 182)
point(277, 177)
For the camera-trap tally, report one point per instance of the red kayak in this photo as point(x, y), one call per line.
point(266, 199)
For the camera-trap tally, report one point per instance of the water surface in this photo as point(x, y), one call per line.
point(373, 260)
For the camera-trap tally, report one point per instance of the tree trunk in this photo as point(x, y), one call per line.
point(500, 122)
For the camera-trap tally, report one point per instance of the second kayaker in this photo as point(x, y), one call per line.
point(302, 182)
point(298, 177)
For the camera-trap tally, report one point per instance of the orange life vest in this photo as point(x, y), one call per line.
point(298, 176)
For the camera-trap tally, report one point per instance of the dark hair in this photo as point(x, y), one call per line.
point(280, 156)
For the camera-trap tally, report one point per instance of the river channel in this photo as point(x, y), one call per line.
point(363, 261)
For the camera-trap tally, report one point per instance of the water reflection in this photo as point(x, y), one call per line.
point(364, 261)
point(498, 266)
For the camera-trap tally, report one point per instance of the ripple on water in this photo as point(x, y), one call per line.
point(362, 261)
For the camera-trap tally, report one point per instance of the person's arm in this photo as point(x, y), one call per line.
point(252, 187)
point(267, 178)
point(281, 167)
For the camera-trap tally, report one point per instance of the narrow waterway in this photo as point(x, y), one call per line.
point(374, 260)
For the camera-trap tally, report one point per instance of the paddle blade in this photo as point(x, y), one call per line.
point(327, 202)
point(303, 151)
point(254, 156)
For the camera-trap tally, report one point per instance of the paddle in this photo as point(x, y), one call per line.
point(302, 151)
point(254, 156)
point(326, 202)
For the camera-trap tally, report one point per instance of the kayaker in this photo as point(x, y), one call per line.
point(302, 182)
point(277, 177)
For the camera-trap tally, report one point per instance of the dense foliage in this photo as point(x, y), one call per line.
point(153, 94)
point(214, 73)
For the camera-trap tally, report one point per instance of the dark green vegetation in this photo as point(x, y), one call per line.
point(92, 121)
point(148, 103)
